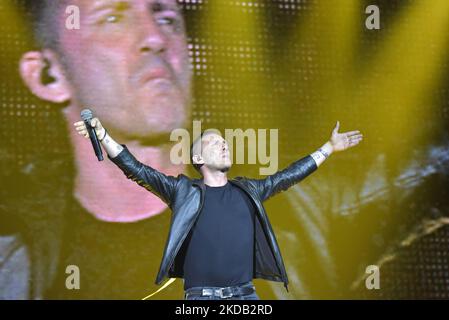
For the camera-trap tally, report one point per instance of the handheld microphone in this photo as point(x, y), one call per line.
point(87, 116)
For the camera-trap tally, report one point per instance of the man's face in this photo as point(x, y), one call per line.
point(128, 62)
point(215, 152)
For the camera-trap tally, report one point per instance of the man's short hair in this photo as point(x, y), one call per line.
point(42, 15)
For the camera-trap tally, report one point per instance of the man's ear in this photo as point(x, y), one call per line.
point(35, 66)
point(197, 159)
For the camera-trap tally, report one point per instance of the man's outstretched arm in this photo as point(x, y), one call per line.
point(297, 171)
point(151, 179)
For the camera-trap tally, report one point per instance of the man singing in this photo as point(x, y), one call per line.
point(220, 237)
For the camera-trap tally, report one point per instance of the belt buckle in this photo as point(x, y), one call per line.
point(207, 292)
point(224, 296)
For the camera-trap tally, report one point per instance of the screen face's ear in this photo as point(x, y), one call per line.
point(44, 76)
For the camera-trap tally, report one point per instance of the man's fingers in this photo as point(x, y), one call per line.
point(355, 139)
point(354, 142)
point(80, 127)
point(337, 126)
point(356, 136)
point(351, 133)
point(95, 123)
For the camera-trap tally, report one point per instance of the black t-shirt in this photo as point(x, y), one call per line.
point(219, 249)
point(115, 260)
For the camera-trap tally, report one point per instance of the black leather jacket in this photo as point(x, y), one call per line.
point(185, 198)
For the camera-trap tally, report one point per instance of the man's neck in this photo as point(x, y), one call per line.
point(215, 178)
point(102, 188)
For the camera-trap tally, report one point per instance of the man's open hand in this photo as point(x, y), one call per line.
point(346, 140)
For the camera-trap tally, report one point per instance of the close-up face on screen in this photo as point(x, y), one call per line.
point(224, 150)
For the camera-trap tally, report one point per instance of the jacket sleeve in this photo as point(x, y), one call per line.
point(284, 179)
point(154, 181)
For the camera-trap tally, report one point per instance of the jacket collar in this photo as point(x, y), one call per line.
point(200, 183)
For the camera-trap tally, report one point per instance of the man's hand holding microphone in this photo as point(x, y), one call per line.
point(91, 128)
